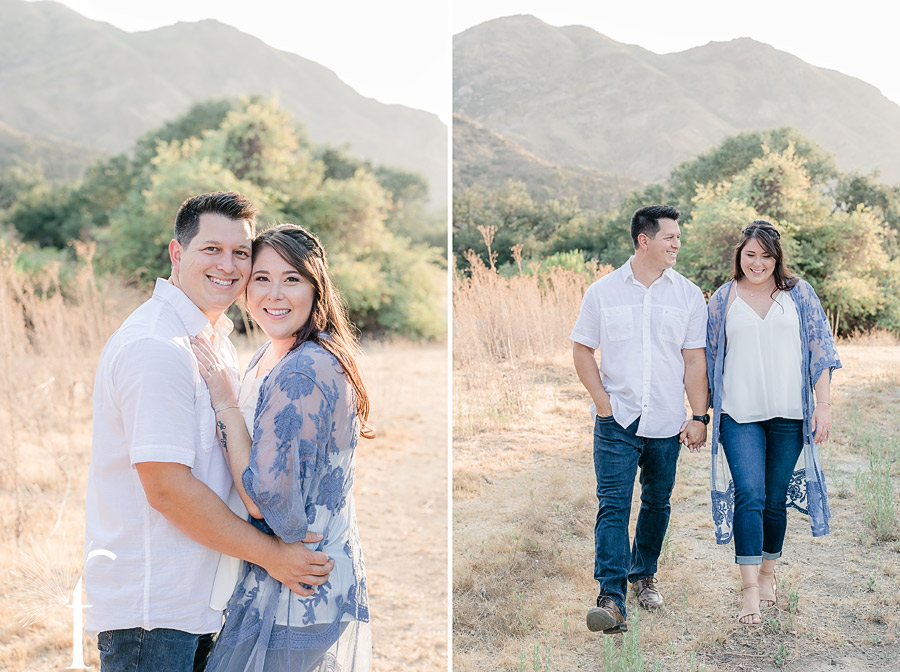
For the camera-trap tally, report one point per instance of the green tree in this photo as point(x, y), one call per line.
point(854, 189)
point(48, 216)
point(509, 211)
point(261, 144)
point(16, 182)
point(202, 116)
point(841, 254)
point(136, 243)
point(735, 154)
point(851, 265)
point(709, 237)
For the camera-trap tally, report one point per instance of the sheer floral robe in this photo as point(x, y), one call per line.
point(300, 475)
point(806, 491)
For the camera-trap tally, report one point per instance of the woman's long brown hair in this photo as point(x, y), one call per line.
point(303, 251)
point(770, 240)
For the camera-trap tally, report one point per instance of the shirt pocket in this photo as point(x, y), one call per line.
point(673, 325)
point(618, 323)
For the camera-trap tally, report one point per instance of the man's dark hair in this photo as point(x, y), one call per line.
point(226, 203)
point(646, 220)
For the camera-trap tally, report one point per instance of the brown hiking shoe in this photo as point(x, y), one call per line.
point(606, 617)
point(647, 594)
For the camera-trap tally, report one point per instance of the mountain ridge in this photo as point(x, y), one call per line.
point(89, 83)
point(572, 96)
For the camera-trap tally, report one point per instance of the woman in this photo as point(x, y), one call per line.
point(304, 402)
point(768, 346)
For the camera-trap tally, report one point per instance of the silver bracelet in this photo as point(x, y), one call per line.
point(216, 411)
point(827, 403)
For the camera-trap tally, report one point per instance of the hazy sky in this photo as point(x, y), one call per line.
point(396, 51)
point(855, 37)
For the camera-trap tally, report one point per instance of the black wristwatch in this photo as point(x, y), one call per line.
point(701, 418)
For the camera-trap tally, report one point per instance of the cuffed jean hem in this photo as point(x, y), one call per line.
point(771, 556)
point(748, 559)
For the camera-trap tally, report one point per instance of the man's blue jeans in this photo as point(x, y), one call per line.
point(761, 457)
point(157, 650)
point(618, 452)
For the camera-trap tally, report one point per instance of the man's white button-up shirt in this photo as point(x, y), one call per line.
point(640, 333)
point(151, 405)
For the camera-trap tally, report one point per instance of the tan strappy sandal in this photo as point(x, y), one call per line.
point(766, 596)
point(749, 611)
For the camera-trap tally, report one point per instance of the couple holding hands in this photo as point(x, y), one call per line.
point(760, 355)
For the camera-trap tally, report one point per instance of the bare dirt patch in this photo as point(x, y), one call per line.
point(401, 493)
point(523, 516)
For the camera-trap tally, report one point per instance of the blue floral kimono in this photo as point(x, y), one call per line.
point(806, 491)
point(300, 475)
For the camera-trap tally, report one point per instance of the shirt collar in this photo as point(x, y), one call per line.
point(628, 273)
point(191, 316)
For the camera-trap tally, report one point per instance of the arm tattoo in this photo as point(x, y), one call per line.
point(224, 439)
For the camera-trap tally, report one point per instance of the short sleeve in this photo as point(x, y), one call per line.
point(154, 387)
point(288, 455)
point(696, 331)
point(587, 327)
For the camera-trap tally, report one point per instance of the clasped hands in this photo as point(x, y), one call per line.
point(692, 435)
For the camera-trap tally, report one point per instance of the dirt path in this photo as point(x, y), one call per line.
point(523, 549)
point(401, 492)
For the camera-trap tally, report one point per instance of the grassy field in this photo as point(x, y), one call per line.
point(524, 508)
point(48, 356)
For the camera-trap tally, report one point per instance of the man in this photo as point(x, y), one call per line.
point(649, 324)
point(158, 479)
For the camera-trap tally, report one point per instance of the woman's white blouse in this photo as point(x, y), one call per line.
point(762, 377)
point(228, 570)
point(248, 395)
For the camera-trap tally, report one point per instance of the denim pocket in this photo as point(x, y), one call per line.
point(103, 640)
point(605, 424)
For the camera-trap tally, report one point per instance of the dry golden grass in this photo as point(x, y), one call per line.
point(503, 328)
point(524, 508)
point(52, 338)
point(51, 344)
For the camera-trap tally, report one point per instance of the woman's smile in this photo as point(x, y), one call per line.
point(279, 297)
point(757, 264)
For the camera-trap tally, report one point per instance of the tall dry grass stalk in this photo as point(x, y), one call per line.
point(524, 317)
point(52, 337)
point(53, 331)
point(502, 328)
point(54, 326)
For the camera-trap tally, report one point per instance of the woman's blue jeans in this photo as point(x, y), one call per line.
point(761, 457)
point(618, 452)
